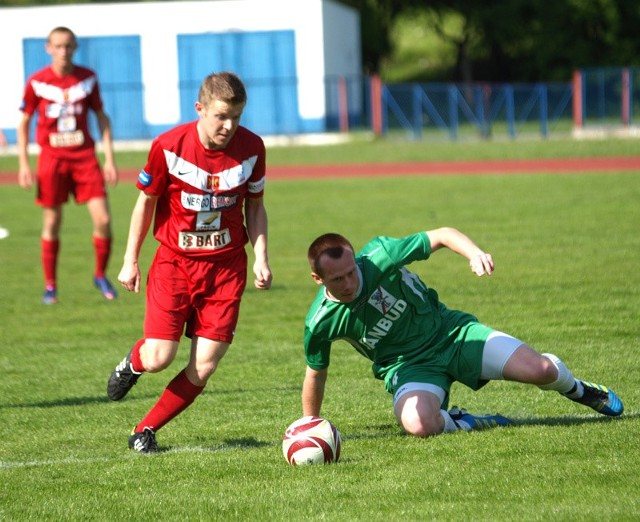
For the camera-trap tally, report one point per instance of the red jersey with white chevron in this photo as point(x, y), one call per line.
point(201, 191)
point(63, 103)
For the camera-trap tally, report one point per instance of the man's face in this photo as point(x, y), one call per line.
point(218, 123)
point(340, 276)
point(61, 47)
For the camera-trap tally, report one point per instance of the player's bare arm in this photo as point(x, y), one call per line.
point(25, 176)
point(257, 226)
point(141, 219)
point(109, 167)
point(481, 262)
point(313, 391)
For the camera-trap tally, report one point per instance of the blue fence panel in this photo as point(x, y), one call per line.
point(477, 108)
point(355, 96)
point(603, 95)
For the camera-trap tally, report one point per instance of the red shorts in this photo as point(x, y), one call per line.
point(199, 296)
point(60, 176)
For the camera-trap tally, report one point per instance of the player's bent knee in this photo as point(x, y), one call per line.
point(157, 355)
point(418, 410)
point(203, 370)
point(419, 426)
point(156, 365)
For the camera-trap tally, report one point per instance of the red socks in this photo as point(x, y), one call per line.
point(177, 396)
point(102, 247)
point(136, 362)
point(49, 255)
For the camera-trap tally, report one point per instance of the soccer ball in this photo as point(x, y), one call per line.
point(311, 440)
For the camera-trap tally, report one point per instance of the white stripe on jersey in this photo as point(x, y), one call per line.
point(76, 92)
point(201, 179)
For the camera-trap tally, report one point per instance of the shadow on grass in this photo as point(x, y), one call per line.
point(227, 445)
point(572, 420)
point(393, 430)
point(81, 401)
point(71, 401)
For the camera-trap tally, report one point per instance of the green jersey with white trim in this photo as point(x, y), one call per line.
point(395, 316)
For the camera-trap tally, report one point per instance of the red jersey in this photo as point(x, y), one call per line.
point(201, 191)
point(63, 103)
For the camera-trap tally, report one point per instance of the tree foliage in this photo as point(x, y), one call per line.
point(511, 40)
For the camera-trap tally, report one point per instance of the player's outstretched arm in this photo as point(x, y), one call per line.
point(313, 391)
point(481, 262)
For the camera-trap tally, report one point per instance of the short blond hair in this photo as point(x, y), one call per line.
point(223, 86)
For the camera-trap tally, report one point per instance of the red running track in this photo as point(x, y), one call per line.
point(437, 168)
point(571, 165)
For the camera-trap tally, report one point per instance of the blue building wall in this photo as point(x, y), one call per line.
point(265, 60)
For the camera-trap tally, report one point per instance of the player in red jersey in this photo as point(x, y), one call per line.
point(205, 182)
point(62, 95)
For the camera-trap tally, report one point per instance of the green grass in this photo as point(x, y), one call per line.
point(566, 250)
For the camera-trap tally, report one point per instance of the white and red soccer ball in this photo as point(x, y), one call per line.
point(311, 440)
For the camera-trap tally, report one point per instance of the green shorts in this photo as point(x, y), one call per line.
point(459, 360)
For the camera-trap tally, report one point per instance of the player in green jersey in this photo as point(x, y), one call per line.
point(418, 346)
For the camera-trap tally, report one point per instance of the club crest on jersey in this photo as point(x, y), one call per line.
point(213, 182)
point(382, 300)
point(391, 310)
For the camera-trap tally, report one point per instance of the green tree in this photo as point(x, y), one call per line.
point(535, 40)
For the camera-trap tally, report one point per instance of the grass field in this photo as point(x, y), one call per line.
point(566, 250)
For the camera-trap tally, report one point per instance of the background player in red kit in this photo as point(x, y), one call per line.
point(199, 178)
point(62, 95)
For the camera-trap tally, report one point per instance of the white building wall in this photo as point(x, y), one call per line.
point(326, 35)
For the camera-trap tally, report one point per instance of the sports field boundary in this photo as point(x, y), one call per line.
point(433, 168)
point(437, 168)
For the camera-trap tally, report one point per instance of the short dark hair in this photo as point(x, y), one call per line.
point(61, 29)
point(330, 244)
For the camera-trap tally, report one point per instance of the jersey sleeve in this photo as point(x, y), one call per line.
point(153, 177)
point(391, 252)
point(29, 99)
point(256, 183)
point(95, 99)
point(318, 333)
point(317, 350)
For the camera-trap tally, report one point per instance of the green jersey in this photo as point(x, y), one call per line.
point(394, 320)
